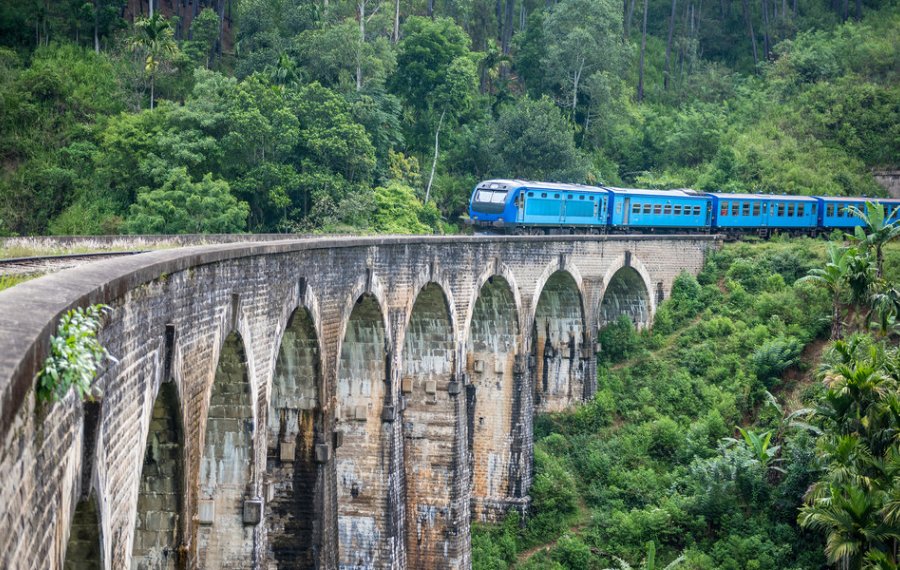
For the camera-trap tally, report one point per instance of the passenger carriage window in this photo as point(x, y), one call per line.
point(734, 208)
point(646, 208)
point(791, 210)
point(657, 208)
point(556, 196)
point(531, 194)
point(636, 209)
point(756, 208)
point(667, 210)
point(724, 210)
point(800, 209)
point(581, 197)
point(840, 210)
point(543, 194)
point(696, 210)
point(780, 210)
point(677, 210)
point(590, 197)
point(745, 208)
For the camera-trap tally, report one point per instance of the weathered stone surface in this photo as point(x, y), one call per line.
point(310, 342)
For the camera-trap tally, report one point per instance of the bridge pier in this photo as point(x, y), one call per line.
point(334, 403)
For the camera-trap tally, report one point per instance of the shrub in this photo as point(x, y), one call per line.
point(75, 354)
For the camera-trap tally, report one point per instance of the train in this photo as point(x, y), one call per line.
point(525, 207)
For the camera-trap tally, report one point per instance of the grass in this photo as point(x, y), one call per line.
point(9, 252)
point(7, 281)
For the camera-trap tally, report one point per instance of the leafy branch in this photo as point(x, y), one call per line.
point(75, 355)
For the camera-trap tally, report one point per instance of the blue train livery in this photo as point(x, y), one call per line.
point(658, 209)
point(528, 207)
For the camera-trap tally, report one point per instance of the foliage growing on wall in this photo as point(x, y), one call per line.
point(75, 355)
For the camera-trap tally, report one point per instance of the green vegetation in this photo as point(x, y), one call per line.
point(7, 281)
point(75, 354)
point(305, 116)
point(706, 432)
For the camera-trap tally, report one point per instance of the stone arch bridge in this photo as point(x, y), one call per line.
point(319, 403)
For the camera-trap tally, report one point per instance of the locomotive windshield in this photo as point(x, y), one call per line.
point(491, 196)
point(489, 201)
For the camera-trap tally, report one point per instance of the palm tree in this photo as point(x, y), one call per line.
point(649, 561)
point(877, 234)
point(155, 41)
point(835, 278)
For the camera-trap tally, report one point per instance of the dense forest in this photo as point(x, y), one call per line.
point(169, 116)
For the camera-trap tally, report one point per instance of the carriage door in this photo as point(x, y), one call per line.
point(520, 206)
point(627, 210)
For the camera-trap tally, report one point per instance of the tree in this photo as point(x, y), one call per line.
point(204, 33)
point(435, 75)
point(397, 211)
point(532, 139)
point(155, 41)
point(856, 502)
point(640, 89)
point(877, 233)
point(834, 278)
point(582, 38)
point(183, 206)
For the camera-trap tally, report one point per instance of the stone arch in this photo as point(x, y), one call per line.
point(294, 428)
point(84, 549)
point(627, 292)
point(558, 341)
point(497, 270)
point(226, 513)
point(157, 536)
point(493, 401)
point(432, 461)
point(363, 458)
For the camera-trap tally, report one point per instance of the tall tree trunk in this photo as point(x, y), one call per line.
point(765, 11)
point(437, 135)
point(576, 80)
point(96, 26)
point(628, 18)
point(794, 10)
point(151, 8)
point(429, 10)
point(845, 10)
point(362, 41)
point(220, 39)
point(858, 9)
point(752, 34)
point(395, 35)
point(640, 93)
point(669, 46)
point(507, 26)
point(152, 90)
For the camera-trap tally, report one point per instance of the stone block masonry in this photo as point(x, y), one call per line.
point(307, 403)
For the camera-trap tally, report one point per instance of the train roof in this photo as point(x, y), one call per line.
point(684, 193)
point(860, 199)
point(505, 183)
point(741, 196)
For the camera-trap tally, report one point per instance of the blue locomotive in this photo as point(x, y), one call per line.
point(527, 207)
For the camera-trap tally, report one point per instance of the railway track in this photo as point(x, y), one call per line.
point(22, 266)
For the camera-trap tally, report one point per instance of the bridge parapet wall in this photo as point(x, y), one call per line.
point(174, 310)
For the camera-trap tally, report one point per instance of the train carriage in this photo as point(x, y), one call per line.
point(658, 209)
point(834, 213)
point(762, 213)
